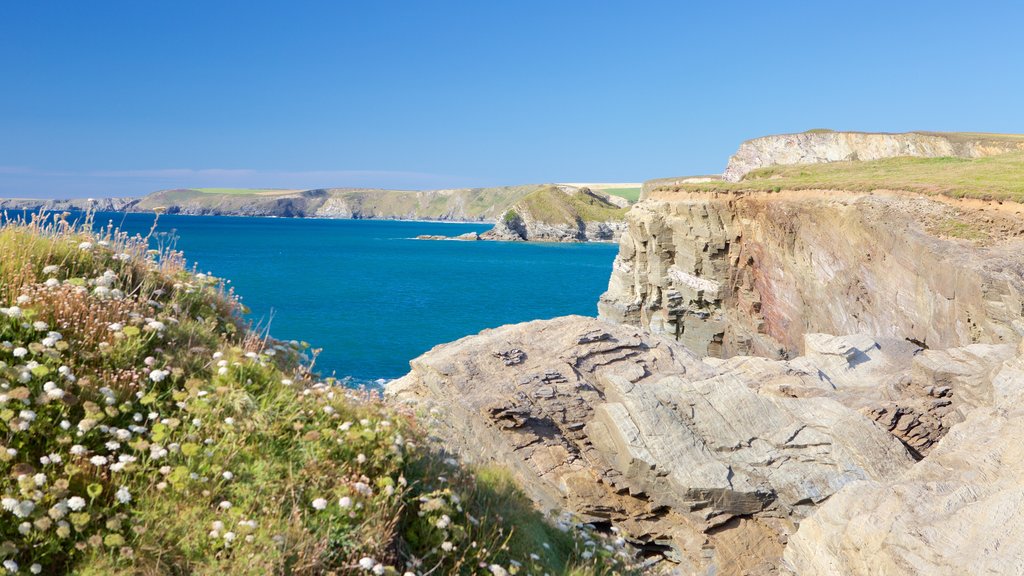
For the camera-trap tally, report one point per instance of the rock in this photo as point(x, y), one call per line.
point(958, 511)
point(828, 146)
point(710, 465)
point(750, 274)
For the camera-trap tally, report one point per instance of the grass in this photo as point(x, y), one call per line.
point(552, 205)
point(244, 191)
point(991, 178)
point(631, 194)
point(147, 428)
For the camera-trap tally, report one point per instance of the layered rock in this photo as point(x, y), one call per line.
point(959, 511)
point(751, 273)
point(828, 146)
point(709, 463)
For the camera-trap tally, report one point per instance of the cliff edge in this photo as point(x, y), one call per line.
point(818, 146)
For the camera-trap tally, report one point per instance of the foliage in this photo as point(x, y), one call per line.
point(145, 428)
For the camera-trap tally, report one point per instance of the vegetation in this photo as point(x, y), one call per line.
point(991, 178)
point(552, 205)
point(631, 194)
point(145, 428)
point(244, 191)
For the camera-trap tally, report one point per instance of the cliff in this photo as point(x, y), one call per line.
point(748, 268)
point(819, 146)
point(561, 214)
point(466, 204)
point(815, 370)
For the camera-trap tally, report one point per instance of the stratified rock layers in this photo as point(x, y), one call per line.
point(708, 464)
point(752, 273)
point(958, 511)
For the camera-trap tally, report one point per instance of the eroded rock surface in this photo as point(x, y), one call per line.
point(958, 511)
point(827, 146)
point(708, 463)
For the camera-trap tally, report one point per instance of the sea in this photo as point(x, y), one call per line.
point(368, 294)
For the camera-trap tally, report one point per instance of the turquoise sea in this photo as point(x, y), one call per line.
point(369, 294)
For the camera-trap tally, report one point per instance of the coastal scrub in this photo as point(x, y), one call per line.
point(146, 427)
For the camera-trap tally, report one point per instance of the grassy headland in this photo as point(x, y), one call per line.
point(553, 206)
point(146, 428)
point(990, 178)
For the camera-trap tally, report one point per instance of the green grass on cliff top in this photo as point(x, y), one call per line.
point(631, 194)
point(243, 191)
point(553, 206)
point(992, 178)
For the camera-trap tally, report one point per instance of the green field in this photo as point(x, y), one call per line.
point(992, 178)
point(243, 191)
point(631, 194)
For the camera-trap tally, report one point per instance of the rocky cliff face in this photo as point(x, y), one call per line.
point(73, 204)
point(785, 382)
point(712, 464)
point(827, 146)
point(752, 273)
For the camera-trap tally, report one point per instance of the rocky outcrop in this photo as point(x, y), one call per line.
point(827, 146)
point(751, 273)
point(959, 511)
point(561, 214)
point(710, 463)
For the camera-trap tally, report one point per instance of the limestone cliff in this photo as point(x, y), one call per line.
point(819, 146)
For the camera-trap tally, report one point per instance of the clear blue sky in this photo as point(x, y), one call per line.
point(122, 98)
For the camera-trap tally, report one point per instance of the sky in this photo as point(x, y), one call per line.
point(121, 98)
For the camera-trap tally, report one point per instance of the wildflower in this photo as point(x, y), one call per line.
point(497, 570)
point(344, 502)
point(443, 522)
point(24, 508)
point(76, 503)
point(447, 546)
point(158, 375)
point(51, 269)
point(51, 283)
point(319, 504)
point(19, 352)
point(227, 475)
point(11, 566)
point(229, 421)
point(379, 569)
point(367, 563)
point(224, 505)
point(40, 326)
point(98, 460)
point(85, 246)
point(123, 495)
point(115, 327)
point(36, 568)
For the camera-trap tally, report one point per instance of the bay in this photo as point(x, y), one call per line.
point(371, 296)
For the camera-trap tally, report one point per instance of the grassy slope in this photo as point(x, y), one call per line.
point(145, 429)
point(553, 206)
point(992, 178)
point(470, 203)
point(245, 191)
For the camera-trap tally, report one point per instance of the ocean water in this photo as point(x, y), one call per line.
point(370, 295)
